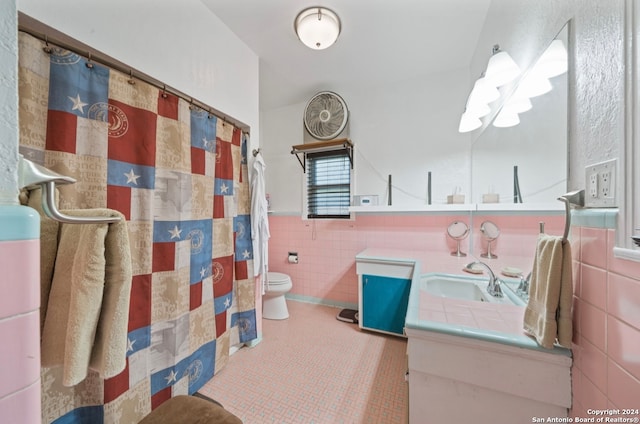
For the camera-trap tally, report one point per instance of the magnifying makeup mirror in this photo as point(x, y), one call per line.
point(458, 231)
point(491, 232)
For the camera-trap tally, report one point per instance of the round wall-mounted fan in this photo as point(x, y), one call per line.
point(325, 115)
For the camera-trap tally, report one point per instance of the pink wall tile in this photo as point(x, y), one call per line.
point(593, 284)
point(607, 310)
point(624, 346)
point(20, 281)
point(22, 345)
point(327, 248)
point(576, 268)
point(624, 299)
point(518, 233)
point(22, 406)
point(594, 247)
point(592, 395)
point(623, 389)
point(575, 235)
point(620, 266)
point(576, 350)
point(20, 322)
point(592, 325)
point(593, 364)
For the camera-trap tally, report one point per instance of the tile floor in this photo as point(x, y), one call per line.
point(312, 368)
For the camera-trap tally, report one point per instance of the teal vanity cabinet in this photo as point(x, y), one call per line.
point(384, 303)
point(383, 293)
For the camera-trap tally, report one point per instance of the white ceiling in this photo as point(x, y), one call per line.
point(381, 41)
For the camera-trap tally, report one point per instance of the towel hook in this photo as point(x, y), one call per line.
point(33, 175)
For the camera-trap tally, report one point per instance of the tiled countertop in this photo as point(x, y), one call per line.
point(442, 262)
point(501, 323)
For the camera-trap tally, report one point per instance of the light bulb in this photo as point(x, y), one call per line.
point(533, 85)
point(506, 119)
point(468, 123)
point(501, 69)
point(517, 104)
point(554, 60)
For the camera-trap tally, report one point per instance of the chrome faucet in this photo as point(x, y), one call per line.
point(523, 287)
point(493, 288)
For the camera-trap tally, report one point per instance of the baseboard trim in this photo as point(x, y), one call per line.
point(321, 301)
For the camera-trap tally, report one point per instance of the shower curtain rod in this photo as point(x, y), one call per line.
point(98, 57)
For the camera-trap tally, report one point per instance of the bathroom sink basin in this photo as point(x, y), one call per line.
point(464, 288)
point(451, 287)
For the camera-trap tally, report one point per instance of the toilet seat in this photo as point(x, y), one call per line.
point(277, 278)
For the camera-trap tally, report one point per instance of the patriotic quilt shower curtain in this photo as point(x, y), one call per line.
point(179, 175)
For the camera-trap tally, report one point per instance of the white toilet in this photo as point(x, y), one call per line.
point(274, 305)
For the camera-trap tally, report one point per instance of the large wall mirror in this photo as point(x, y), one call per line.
point(531, 155)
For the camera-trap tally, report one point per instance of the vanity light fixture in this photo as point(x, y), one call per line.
point(481, 95)
point(317, 27)
point(506, 118)
point(477, 109)
point(533, 85)
point(501, 68)
point(469, 122)
point(477, 106)
point(554, 60)
point(483, 91)
point(517, 104)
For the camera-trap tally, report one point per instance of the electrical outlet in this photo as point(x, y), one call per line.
point(601, 188)
point(605, 183)
point(593, 185)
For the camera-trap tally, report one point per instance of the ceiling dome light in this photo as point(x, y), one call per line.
point(317, 27)
point(501, 69)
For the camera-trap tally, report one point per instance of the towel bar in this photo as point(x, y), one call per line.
point(32, 175)
point(575, 198)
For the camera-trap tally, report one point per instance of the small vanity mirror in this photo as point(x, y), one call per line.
point(458, 231)
point(490, 231)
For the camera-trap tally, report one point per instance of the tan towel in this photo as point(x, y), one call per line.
point(88, 310)
point(548, 316)
point(48, 246)
point(190, 410)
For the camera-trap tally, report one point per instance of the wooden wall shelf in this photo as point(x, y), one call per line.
point(321, 146)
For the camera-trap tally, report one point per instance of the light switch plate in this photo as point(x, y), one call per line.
point(600, 179)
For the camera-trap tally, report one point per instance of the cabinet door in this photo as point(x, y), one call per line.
point(384, 303)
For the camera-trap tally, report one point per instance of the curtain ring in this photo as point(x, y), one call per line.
point(46, 47)
point(164, 92)
point(89, 64)
point(131, 80)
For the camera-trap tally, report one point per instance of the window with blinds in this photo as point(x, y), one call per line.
point(328, 184)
